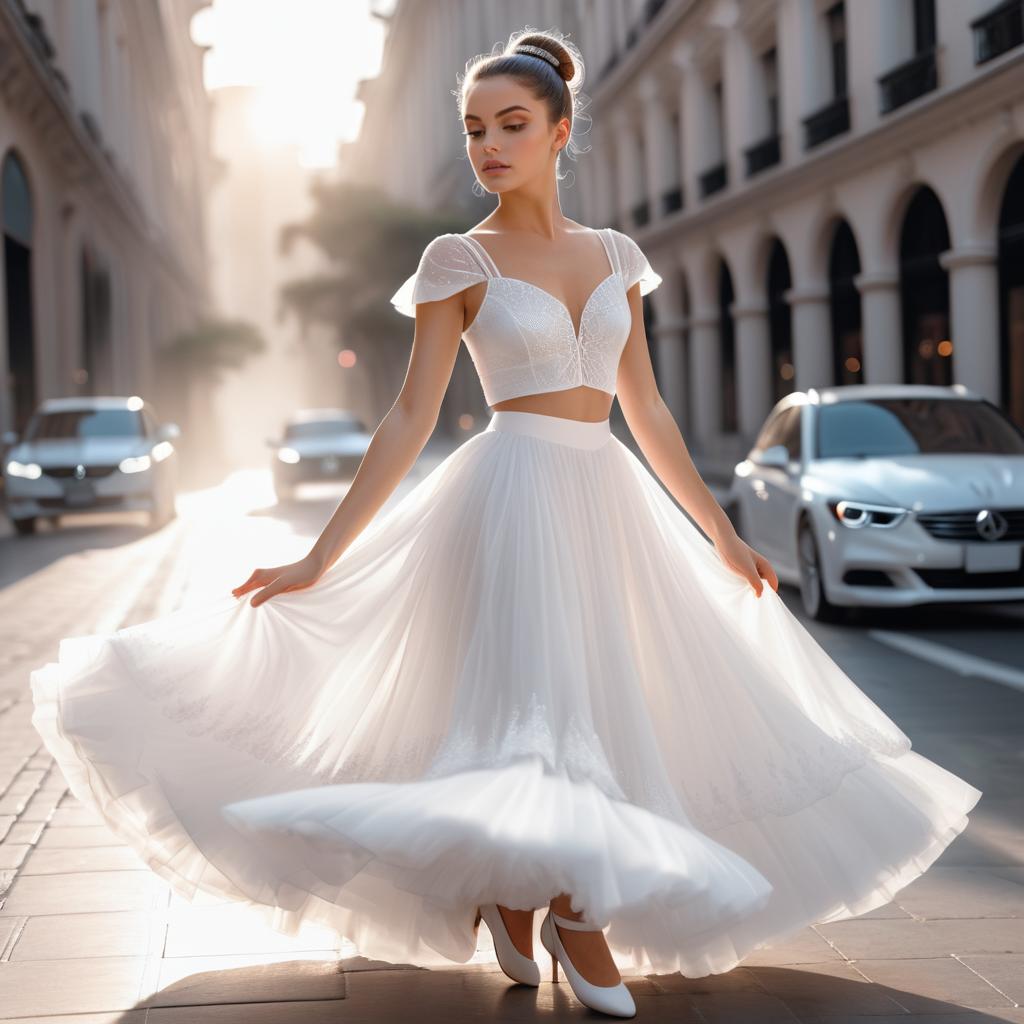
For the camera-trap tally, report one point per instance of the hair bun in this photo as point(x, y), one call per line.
point(566, 66)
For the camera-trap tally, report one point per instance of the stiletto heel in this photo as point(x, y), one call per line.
point(517, 966)
point(615, 1000)
point(554, 970)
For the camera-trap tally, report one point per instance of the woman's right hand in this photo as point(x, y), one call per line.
point(281, 579)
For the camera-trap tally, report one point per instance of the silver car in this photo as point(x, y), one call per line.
point(90, 454)
point(318, 444)
point(886, 495)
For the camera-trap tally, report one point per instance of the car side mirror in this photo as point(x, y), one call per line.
point(774, 455)
point(168, 431)
point(10, 437)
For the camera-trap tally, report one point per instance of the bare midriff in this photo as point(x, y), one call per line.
point(579, 403)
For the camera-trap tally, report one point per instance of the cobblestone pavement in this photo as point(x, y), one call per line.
point(89, 936)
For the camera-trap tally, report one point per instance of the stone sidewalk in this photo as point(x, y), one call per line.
point(89, 936)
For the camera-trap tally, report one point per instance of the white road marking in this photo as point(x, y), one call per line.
point(949, 658)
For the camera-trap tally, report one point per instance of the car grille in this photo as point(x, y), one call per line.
point(91, 472)
point(867, 578)
point(960, 525)
point(958, 579)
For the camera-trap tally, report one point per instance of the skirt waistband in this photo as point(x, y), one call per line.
point(560, 429)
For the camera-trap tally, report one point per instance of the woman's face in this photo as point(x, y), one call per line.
point(505, 125)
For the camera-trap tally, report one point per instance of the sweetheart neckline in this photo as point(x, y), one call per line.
point(576, 334)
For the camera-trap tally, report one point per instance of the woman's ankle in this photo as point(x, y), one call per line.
point(562, 906)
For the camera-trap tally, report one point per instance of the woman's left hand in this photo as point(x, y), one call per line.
point(743, 560)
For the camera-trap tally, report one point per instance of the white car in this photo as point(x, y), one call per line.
point(318, 444)
point(886, 495)
point(90, 454)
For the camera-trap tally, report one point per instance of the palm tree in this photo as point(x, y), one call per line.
point(371, 245)
point(190, 366)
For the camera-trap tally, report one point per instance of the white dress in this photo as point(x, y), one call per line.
point(532, 675)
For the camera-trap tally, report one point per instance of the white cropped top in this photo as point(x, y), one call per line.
point(522, 340)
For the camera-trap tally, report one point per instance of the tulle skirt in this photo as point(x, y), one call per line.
point(532, 675)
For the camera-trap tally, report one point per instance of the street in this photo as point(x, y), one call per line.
point(89, 934)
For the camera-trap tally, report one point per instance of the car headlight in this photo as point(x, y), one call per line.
point(289, 455)
point(161, 451)
point(858, 514)
point(28, 470)
point(135, 464)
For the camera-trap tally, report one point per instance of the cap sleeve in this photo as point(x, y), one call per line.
point(635, 266)
point(446, 267)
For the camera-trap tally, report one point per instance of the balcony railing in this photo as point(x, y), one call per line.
point(672, 200)
point(998, 31)
point(827, 122)
point(765, 153)
point(907, 82)
point(713, 180)
point(651, 8)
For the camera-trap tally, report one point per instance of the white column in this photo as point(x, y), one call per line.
point(793, 105)
point(743, 102)
point(621, 29)
point(697, 129)
point(812, 335)
point(881, 326)
point(974, 317)
point(605, 199)
point(753, 365)
point(668, 331)
point(705, 375)
point(811, 34)
point(657, 136)
point(628, 154)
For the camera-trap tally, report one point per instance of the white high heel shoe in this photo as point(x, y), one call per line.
point(611, 999)
point(517, 966)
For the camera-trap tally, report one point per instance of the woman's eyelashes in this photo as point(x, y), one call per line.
point(509, 127)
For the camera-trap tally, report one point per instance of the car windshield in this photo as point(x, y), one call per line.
point(914, 426)
point(320, 428)
point(82, 423)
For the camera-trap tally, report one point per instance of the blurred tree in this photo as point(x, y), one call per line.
point(190, 367)
point(372, 245)
point(212, 347)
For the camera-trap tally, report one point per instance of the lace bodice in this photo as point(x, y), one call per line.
point(523, 340)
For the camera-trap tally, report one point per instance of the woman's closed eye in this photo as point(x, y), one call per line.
point(509, 127)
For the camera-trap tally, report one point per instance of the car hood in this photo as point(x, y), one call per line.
point(90, 451)
point(924, 481)
point(343, 444)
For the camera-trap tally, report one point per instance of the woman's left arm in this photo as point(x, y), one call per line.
point(658, 437)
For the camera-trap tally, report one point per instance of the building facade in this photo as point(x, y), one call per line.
point(105, 167)
point(833, 192)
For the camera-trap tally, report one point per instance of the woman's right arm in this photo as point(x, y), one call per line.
point(393, 450)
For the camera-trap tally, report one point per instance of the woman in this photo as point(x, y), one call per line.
point(533, 683)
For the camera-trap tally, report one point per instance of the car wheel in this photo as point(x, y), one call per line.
point(25, 526)
point(812, 588)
